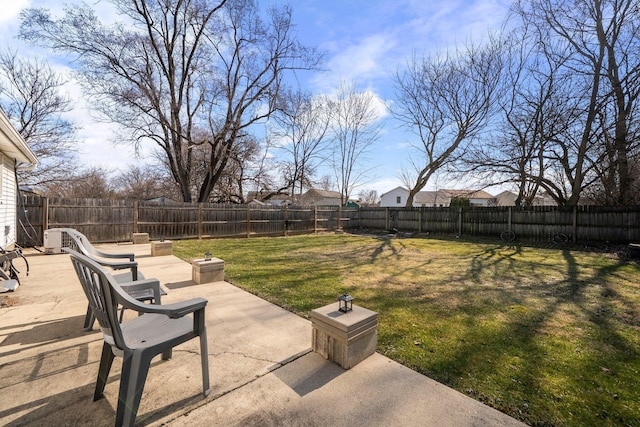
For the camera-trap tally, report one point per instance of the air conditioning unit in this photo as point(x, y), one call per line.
point(53, 241)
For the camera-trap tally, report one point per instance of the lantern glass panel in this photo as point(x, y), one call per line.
point(345, 303)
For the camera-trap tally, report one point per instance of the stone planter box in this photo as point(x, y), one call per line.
point(140, 238)
point(344, 338)
point(162, 248)
point(207, 271)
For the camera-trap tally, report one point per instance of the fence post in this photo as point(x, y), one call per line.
point(315, 220)
point(339, 215)
point(386, 219)
point(574, 230)
point(45, 215)
point(419, 220)
point(286, 219)
point(460, 221)
point(200, 225)
point(135, 216)
point(248, 221)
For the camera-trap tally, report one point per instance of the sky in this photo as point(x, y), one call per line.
point(365, 41)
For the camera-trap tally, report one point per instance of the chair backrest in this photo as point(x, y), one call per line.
point(102, 291)
point(80, 243)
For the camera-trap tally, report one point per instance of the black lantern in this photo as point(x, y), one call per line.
point(345, 303)
point(207, 256)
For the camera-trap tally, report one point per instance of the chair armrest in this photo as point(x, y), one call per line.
point(130, 257)
point(116, 265)
point(182, 308)
point(174, 310)
point(143, 285)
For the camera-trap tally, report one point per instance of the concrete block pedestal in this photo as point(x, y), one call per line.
point(162, 248)
point(344, 338)
point(207, 271)
point(139, 238)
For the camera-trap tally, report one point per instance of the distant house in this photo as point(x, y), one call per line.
point(256, 202)
point(508, 198)
point(432, 199)
point(267, 198)
point(396, 198)
point(161, 199)
point(15, 154)
point(315, 197)
point(429, 199)
point(475, 197)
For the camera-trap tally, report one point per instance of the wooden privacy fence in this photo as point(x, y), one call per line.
point(115, 220)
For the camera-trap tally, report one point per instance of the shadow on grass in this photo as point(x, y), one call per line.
point(518, 353)
point(540, 334)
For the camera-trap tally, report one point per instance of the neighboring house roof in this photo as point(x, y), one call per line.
point(321, 198)
point(325, 194)
point(469, 194)
point(12, 145)
point(264, 196)
point(432, 198)
point(508, 198)
point(397, 188)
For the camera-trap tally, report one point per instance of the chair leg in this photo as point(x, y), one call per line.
point(167, 354)
point(89, 319)
point(135, 367)
point(106, 360)
point(204, 356)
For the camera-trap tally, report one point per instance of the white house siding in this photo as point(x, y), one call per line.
point(7, 202)
point(396, 198)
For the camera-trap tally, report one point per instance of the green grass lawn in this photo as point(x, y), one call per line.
point(546, 335)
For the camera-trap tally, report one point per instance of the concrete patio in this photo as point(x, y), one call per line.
point(263, 371)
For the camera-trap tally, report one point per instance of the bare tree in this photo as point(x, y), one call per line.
point(598, 42)
point(181, 74)
point(368, 198)
point(240, 170)
point(301, 125)
point(91, 183)
point(30, 94)
point(355, 126)
point(537, 115)
point(140, 182)
point(446, 101)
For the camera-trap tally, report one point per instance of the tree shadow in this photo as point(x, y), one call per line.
point(522, 341)
point(36, 334)
point(72, 408)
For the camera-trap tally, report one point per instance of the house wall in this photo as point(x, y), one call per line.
point(7, 202)
point(479, 202)
point(390, 199)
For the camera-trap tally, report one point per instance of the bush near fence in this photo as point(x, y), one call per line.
point(115, 220)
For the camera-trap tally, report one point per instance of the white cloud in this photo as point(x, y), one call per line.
point(11, 9)
point(384, 185)
point(362, 61)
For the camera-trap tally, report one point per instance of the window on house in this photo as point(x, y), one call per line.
point(398, 199)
